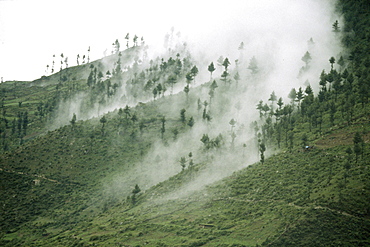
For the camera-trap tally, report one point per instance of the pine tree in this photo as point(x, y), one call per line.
point(211, 69)
point(183, 163)
point(182, 115)
point(262, 149)
point(103, 120)
point(306, 58)
point(73, 121)
point(163, 128)
point(336, 28)
point(253, 65)
point(191, 122)
point(135, 192)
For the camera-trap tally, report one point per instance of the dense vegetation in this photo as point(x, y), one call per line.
point(88, 179)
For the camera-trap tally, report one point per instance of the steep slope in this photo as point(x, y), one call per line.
point(76, 185)
point(296, 198)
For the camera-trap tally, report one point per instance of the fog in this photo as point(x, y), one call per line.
point(275, 32)
point(32, 31)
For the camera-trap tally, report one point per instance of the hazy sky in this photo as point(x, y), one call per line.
point(32, 31)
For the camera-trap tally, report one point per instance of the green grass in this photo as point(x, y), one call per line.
point(292, 199)
point(261, 204)
point(72, 186)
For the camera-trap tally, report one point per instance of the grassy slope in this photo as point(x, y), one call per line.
point(293, 198)
point(52, 196)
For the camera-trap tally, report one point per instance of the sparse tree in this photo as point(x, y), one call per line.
point(182, 115)
point(211, 69)
point(265, 109)
point(127, 112)
point(163, 128)
point(237, 77)
point(280, 103)
point(332, 61)
point(214, 85)
point(88, 55)
point(292, 95)
point(159, 89)
point(323, 80)
point(336, 28)
point(241, 46)
point(142, 42)
point(191, 122)
point(220, 60)
point(211, 94)
point(172, 81)
point(135, 40)
point(224, 76)
point(66, 62)
point(117, 46)
point(103, 120)
point(205, 103)
point(73, 121)
point(204, 113)
point(262, 149)
point(199, 103)
point(52, 67)
point(306, 58)
point(253, 66)
point(191, 163)
point(260, 108)
point(272, 98)
point(205, 139)
point(183, 163)
point(300, 97)
point(155, 92)
point(194, 70)
point(233, 136)
point(61, 61)
point(127, 38)
point(175, 133)
point(135, 192)
point(226, 63)
point(187, 90)
point(189, 78)
point(232, 123)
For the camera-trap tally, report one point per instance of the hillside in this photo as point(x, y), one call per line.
point(127, 151)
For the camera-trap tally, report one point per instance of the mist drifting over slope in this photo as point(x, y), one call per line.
point(215, 26)
point(277, 34)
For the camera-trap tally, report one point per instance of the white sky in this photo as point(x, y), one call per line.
point(31, 31)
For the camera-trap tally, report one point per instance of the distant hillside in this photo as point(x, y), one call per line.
point(127, 151)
